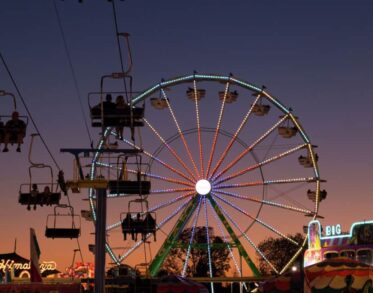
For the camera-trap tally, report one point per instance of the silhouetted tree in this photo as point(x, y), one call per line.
point(278, 251)
point(198, 264)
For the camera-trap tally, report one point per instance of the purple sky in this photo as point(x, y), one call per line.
point(314, 56)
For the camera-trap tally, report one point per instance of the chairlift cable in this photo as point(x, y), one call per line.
point(72, 71)
point(28, 111)
point(120, 49)
point(77, 239)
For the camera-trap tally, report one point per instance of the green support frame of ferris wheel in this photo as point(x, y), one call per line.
point(170, 241)
point(235, 239)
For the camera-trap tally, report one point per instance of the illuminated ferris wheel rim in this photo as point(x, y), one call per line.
point(212, 78)
point(220, 78)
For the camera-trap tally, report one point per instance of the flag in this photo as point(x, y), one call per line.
point(34, 257)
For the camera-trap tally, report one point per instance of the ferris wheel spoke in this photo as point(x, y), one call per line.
point(291, 261)
point(191, 239)
point(113, 226)
point(198, 130)
point(233, 139)
point(111, 253)
point(173, 235)
point(162, 178)
point(217, 220)
point(170, 202)
point(235, 239)
point(159, 226)
point(180, 133)
point(266, 202)
point(170, 190)
point(267, 182)
point(217, 128)
point(265, 162)
point(269, 227)
point(155, 208)
point(173, 152)
point(160, 161)
point(147, 174)
point(249, 149)
point(208, 242)
point(246, 237)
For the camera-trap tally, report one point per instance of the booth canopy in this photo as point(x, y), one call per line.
point(338, 275)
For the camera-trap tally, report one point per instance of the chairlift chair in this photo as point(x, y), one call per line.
point(135, 223)
point(123, 185)
point(53, 231)
point(38, 198)
point(30, 194)
point(107, 114)
point(16, 133)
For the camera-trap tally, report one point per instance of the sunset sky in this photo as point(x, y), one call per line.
point(314, 56)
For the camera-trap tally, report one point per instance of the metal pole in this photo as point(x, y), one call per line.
point(100, 240)
point(241, 287)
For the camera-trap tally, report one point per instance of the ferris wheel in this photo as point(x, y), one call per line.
point(220, 153)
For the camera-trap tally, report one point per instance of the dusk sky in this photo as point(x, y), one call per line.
point(314, 56)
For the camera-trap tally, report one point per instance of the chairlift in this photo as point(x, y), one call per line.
point(135, 223)
point(109, 114)
point(29, 193)
point(230, 97)
point(121, 113)
point(12, 131)
point(123, 184)
point(193, 94)
point(287, 129)
point(82, 179)
point(54, 231)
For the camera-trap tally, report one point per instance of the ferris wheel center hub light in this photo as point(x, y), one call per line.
point(203, 187)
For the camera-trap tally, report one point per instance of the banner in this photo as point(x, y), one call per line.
point(34, 256)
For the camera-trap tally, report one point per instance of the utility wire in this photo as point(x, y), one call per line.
point(28, 111)
point(120, 49)
point(72, 71)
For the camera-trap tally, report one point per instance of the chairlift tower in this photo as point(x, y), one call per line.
point(100, 186)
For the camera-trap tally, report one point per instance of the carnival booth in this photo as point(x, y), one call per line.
point(338, 275)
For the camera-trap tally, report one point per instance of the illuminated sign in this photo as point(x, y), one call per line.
point(333, 230)
point(9, 264)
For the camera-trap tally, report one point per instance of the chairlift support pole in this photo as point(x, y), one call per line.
point(101, 199)
point(100, 240)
